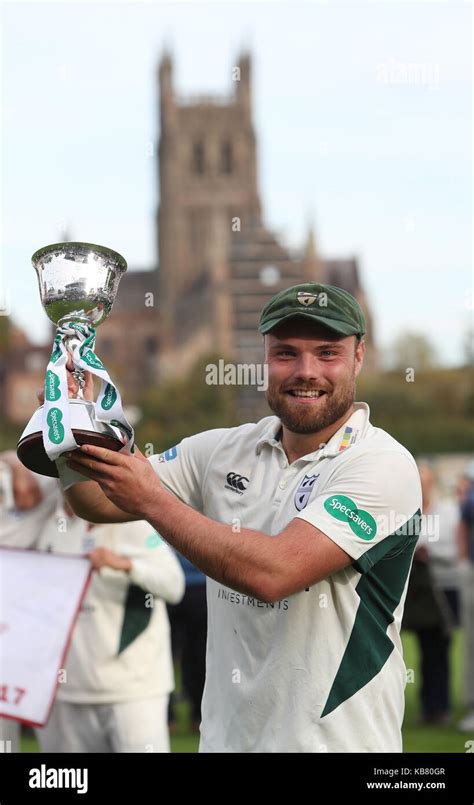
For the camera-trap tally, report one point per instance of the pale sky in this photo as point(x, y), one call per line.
point(363, 122)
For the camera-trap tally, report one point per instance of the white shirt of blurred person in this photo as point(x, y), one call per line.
point(437, 545)
point(438, 534)
point(18, 528)
point(113, 694)
point(466, 551)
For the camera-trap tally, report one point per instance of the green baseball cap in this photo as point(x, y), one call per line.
point(328, 305)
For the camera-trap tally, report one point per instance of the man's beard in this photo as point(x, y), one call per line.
point(303, 418)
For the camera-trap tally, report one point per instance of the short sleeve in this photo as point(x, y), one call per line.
point(182, 469)
point(371, 505)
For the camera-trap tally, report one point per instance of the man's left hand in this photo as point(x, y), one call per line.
point(129, 481)
point(103, 557)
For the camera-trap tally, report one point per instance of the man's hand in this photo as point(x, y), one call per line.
point(26, 490)
point(103, 557)
point(128, 481)
point(73, 385)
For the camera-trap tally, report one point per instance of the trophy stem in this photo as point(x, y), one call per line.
point(70, 341)
point(78, 375)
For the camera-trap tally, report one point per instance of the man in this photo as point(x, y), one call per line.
point(114, 690)
point(466, 555)
point(431, 606)
point(188, 622)
point(305, 524)
point(25, 505)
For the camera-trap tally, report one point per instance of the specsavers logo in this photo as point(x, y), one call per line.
point(343, 508)
point(52, 389)
point(56, 428)
point(92, 360)
point(109, 398)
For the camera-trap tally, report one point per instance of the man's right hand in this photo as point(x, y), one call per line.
point(26, 490)
point(73, 385)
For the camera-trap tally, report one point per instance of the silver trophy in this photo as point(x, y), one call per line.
point(78, 283)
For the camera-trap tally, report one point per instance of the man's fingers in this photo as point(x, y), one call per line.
point(94, 473)
point(99, 454)
point(138, 454)
point(73, 385)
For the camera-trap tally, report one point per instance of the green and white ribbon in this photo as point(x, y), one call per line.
point(57, 433)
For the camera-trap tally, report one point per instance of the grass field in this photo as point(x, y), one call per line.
point(433, 739)
point(415, 739)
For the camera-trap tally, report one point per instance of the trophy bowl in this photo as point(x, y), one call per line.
point(78, 283)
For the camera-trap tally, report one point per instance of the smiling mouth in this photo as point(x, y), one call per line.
point(312, 394)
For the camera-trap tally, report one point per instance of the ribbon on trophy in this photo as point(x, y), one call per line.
point(57, 432)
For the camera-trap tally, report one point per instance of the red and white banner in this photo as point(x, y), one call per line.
point(40, 598)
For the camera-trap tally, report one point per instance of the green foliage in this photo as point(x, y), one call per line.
point(433, 413)
point(412, 349)
point(432, 738)
point(180, 408)
point(5, 330)
point(9, 435)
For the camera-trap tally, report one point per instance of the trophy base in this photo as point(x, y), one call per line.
point(86, 429)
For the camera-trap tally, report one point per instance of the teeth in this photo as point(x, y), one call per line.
point(299, 393)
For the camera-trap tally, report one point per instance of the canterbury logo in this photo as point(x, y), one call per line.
point(238, 483)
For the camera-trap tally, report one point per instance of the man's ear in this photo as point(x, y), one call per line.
point(359, 356)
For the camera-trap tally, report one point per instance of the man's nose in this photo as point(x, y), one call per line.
point(307, 367)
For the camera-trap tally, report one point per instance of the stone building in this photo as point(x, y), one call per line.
point(218, 261)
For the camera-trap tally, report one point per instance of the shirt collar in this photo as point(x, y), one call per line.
point(270, 435)
point(348, 434)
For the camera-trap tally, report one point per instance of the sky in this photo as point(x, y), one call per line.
point(363, 119)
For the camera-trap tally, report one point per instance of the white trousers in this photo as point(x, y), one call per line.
point(137, 726)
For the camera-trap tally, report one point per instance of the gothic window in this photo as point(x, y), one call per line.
point(227, 157)
point(198, 158)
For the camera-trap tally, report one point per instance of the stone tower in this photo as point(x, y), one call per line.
point(218, 262)
point(208, 180)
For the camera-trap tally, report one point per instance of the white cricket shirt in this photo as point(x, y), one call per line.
point(322, 670)
point(120, 648)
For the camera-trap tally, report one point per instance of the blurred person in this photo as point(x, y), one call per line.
point(113, 694)
point(466, 553)
point(188, 621)
point(25, 505)
point(305, 525)
point(432, 604)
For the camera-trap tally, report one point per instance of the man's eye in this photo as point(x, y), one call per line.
point(329, 352)
point(285, 353)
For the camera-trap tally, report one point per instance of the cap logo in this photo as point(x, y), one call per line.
point(305, 298)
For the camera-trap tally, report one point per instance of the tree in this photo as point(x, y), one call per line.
point(412, 350)
point(182, 407)
point(468, 346)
